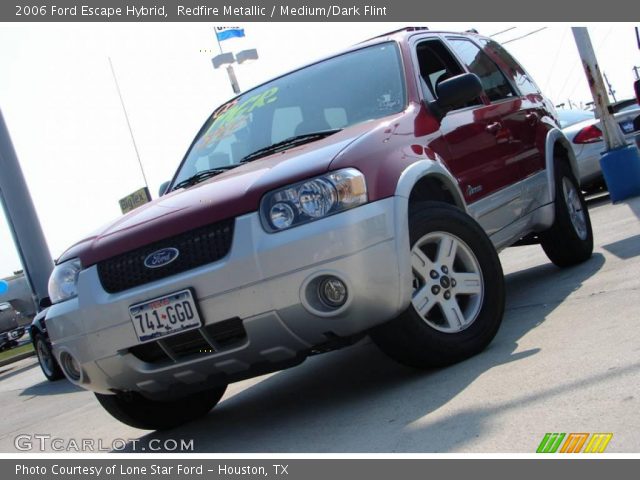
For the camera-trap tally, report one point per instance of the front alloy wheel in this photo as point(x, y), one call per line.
point(458, 291)
point(448, 287)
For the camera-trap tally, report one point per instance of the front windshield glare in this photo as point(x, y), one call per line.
point(336, 93)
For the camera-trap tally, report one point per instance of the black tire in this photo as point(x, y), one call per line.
point(412, 339)
point(564, 243)
point(139, 412)
point(48, 363)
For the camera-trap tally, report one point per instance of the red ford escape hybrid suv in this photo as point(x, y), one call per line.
point(367, 193)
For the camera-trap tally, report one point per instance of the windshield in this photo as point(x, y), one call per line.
point(336, 93)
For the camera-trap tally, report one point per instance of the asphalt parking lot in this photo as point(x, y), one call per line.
point(567, 359)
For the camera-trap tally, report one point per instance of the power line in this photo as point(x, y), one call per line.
point(555, 60)
point(569, 76)
point(523, 36)
point(502, 31)
point(599, 43)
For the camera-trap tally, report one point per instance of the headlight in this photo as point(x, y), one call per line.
point(64, 280)
point(313, 199)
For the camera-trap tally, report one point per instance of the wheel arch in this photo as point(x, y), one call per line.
point(558, 148)
point(38, 327)
point(430, 180)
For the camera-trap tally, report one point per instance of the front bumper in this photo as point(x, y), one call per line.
point(263, 283)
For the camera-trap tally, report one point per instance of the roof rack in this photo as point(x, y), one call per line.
point(403, 29)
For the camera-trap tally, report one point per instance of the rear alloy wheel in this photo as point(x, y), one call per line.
point(458, 291)
point(46, 359)
point(570, 240)
point(137, 411)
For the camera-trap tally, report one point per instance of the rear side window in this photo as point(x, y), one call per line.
point(495, 84)
point(520, 78)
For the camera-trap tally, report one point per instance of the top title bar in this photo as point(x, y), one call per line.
point(312, 11)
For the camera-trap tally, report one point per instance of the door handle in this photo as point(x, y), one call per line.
point(494, 127)
point(532, 117)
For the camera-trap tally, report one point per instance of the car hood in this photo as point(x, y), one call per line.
point(228, 195)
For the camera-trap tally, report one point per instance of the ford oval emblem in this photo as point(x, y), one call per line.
point(162, 257)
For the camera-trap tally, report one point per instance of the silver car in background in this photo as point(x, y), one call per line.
point(583, 130)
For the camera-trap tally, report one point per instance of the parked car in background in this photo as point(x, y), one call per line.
point(582, 129)
point(364, 194)
point(10, 329)
point(624, 105)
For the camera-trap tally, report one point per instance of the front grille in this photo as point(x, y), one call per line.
point(197, 247)
point(211, 338)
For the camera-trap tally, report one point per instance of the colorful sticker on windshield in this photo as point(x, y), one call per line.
point(234, 115)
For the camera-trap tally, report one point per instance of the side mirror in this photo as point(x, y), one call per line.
point(456, 91)
point(163, 188)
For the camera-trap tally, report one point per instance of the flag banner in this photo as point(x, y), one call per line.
point(225, 33)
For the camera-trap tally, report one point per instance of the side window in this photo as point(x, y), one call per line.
point(513, 69)
point(495, 84)
point(436, 64)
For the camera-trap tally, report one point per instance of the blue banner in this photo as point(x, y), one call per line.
point(225, 33)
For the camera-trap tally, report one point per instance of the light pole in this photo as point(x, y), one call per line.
point(227, 59)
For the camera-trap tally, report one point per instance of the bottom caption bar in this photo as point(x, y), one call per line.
point(312, 469)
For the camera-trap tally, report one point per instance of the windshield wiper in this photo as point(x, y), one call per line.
point(203, 175)
point(289, 143)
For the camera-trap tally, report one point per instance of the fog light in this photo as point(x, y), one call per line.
point(332, 292)
point(70, 366)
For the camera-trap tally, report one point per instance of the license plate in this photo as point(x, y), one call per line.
point(165, 316)
point(627, 127)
